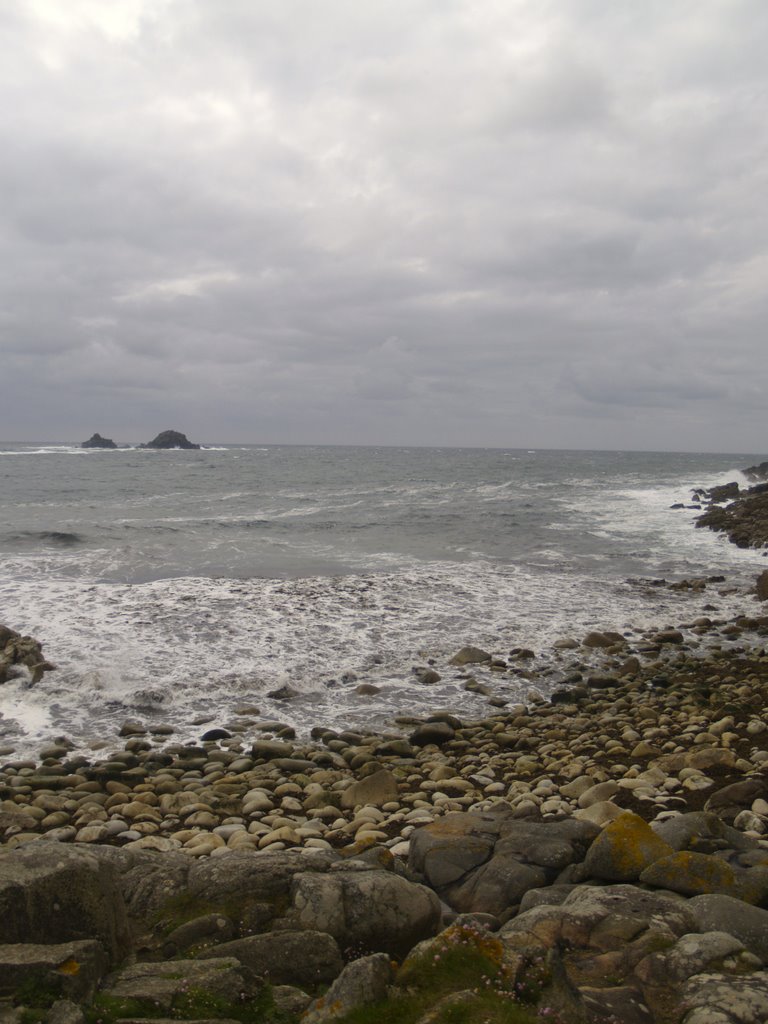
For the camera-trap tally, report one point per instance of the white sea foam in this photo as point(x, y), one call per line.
point(176, 650)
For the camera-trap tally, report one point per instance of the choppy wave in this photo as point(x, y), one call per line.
point(58, 538)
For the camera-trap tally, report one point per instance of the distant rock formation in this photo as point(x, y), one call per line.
point(97, 441)
point(171, 439)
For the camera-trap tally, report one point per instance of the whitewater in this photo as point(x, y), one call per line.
point(182, 588)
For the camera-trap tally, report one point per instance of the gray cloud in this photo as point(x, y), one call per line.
point(403, 222)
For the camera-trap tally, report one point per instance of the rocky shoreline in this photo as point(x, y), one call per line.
point(600, 855)
point(745, 518)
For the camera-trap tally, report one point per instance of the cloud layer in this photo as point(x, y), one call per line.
point(530, 223)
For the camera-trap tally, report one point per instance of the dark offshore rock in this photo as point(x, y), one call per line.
point(761, 586)
point(97, 441)
point(171, 439)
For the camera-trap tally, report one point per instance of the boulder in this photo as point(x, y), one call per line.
point(50, 893)
point(445, 851)
point(486, 862)
point(730, 800)
point(436, 733)
point(761, 587)
point(362, 981)
point(692, 874)
point(624, 849)
point(304, 959)
point(701, 831)
point(171, 439)
point(72, 970)
point(97, 441)
point(366, 911)
point(602, 639)
point(724, 492)
point(691, 954)
point(377, 789)
point(470, 656)
point(169, 984)
point(725, 913)
point(725, 999)
point(16, 649)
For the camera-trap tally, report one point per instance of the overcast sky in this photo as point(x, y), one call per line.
point(459, 222)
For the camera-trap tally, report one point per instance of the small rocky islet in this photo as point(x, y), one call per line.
point(598, 856)
point(166, 439)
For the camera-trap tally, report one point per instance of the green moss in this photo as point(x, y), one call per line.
point(195, 1004)
point(462, 978)
point(37, 992)
point(30, 1016)
point(184, 907)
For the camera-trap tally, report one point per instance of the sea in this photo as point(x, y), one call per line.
point(185, 588)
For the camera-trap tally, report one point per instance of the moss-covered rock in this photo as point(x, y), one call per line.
point(624, 849)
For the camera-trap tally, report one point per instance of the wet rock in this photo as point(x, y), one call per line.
point(437, 733)
point(470, 656)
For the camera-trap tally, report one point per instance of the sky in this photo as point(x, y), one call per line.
point(513, 223)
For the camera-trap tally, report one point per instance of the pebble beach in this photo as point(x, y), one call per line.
point(657, 722)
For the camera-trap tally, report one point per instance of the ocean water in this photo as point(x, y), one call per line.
point(177, 586)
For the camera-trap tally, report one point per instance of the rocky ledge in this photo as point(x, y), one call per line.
point(600, 856)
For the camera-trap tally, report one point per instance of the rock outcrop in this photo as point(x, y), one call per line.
point(17, 650)
point(171, 439)
point(97, 441)
point(745, 518)
point(757, 473)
